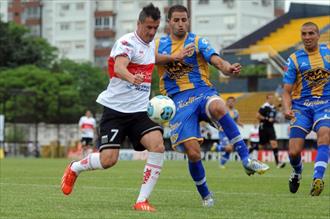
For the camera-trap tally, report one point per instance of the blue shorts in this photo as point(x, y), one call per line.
point(190, 110)
point(309, 112)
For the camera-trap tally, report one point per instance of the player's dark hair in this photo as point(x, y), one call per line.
point(231, 97)
point(149, 11)
point(309, 23)
point(176, 8)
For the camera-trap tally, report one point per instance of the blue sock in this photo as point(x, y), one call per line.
point(296, 163)
point(224, 158)
point(198, 174)
point(232, 132)
point(321, 161)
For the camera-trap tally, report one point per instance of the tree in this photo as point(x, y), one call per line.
point(89, 81)
point(32, 94)
point(253, 73)
point(18, 47)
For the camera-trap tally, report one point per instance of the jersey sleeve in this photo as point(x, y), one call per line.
point(290, 73)
point(206, 49)
point(123, 47)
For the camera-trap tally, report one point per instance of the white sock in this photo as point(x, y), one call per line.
point(90, 162)
point(151, 173)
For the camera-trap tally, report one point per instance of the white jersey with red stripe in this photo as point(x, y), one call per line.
point(87, 125)
point(120, 94)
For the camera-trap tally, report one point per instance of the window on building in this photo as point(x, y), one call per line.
point(80, 25)
point(65, 7)
point(64, 26)
point(266, 3)
point(101, 61)
point(175, 2)
point(229, 21)
point(203, 2)
point(98, 22)
point(33, 12)
point(80, 45)
point(229, 3)
point(104, 22)
point(80, 6)
point(103, 42)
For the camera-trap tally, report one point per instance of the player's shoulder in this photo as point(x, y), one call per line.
point(127, 39)
point(298, 53)
point(324, 47)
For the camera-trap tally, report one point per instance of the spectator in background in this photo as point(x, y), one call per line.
point(254, 141)
point(87, 128)
point(266, 116)
point(224, 145)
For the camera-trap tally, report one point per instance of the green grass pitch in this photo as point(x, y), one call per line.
point(30, 188)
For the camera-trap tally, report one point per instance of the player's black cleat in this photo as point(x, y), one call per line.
point(294, 182)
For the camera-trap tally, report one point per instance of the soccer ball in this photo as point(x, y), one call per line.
point(161, 109)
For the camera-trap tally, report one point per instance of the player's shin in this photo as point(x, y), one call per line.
point(197, 172)
point(232, 132)
point(296, 163)
point(151, 173)
point(90, 162)
point(321, 161)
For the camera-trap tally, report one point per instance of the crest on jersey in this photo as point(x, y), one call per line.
point(317, 76)
point(173, 138)
point(176, 70)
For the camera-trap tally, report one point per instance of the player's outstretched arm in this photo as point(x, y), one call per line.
point(224, 66)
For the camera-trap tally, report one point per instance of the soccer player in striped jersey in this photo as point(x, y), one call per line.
point(306, 101)
point(187, 83)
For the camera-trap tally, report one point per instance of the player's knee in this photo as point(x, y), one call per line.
point(229, 148)
point(158, 148)
point(323, 136)
point(217, 109)
point(193, 155)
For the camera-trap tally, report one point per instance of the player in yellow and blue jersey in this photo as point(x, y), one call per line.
point(224, 145)
point(306, 101)
point(187, 83)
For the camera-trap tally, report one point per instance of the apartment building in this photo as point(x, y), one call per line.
point(4, 10)
point(85, 30)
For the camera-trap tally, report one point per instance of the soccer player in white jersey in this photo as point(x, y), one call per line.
point(87, 128)
point(125, 103)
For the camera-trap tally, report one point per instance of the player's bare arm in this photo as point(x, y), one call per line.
point(120, 68)
point(164, 59)
point(288, 113)
point(225, 67)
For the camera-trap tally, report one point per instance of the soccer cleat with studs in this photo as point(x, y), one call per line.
point(144, 206)
point(294, 181)
point(255, 166)
point(68, 180)
point(317, 187)
point(208, 201)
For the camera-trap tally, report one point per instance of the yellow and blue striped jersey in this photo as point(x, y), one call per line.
point(192, 73)
point(309, 73)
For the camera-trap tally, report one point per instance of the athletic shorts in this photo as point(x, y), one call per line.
point(190, 110)
point(115, 126)
point(266, 134)
point(86, 141)
point(309, 112)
